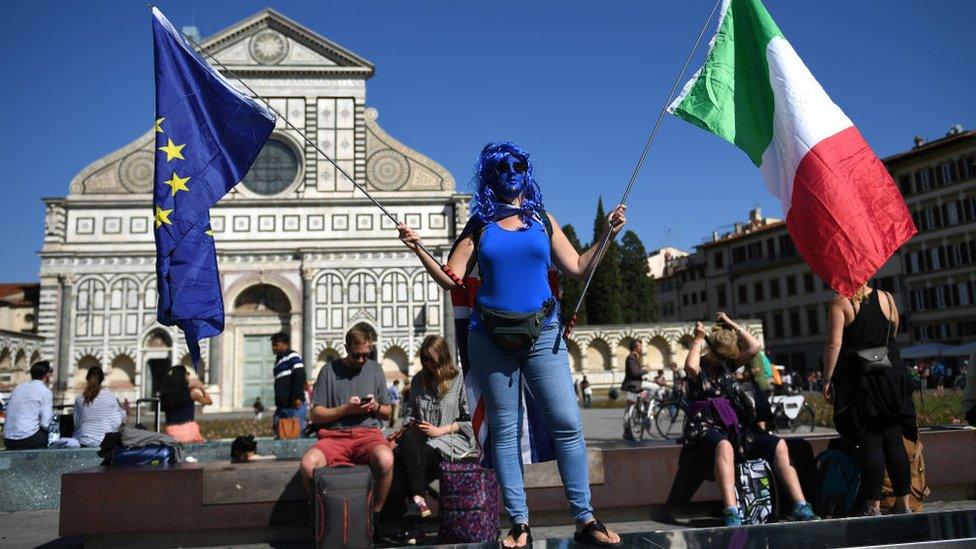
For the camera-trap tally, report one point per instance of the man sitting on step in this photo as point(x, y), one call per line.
point(351, 402)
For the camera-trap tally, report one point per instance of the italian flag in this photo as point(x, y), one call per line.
point(843, 211)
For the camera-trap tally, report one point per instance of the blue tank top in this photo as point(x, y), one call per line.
point(514, 268)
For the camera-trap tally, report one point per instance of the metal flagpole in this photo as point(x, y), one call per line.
point(321, 152)
point(607, 234)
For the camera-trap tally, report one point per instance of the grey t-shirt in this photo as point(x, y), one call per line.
point(338, 381)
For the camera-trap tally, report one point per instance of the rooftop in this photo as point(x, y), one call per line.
point(955, 135)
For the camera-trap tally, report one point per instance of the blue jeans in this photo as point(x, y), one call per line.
point(301, 413)
point(547, 375)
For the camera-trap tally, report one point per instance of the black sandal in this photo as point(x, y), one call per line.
point(516, 532)
point(587, 535)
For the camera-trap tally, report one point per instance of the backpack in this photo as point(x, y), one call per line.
point(919, 488)
point(468, 503)
point(755, 488)
point(343, 508)
point(837, 484)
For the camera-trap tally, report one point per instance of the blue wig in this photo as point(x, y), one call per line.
point(484, 202)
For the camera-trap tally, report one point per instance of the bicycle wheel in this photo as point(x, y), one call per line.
point(640, 413)
point(633, 419)
point(807, 419)
point(669, 421)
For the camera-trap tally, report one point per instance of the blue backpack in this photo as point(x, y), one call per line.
point(838, 482)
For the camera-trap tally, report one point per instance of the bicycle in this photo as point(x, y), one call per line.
point(790, 412)
point(671, 413)
point(640, 414)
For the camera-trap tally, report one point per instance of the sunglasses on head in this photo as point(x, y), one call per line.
point(359, 356)
point(520, 166)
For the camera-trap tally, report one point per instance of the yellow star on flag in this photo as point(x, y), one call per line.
point(177, 183)
point(172, 150)
point(209, 232)
point(162, 217)
point(159, 122)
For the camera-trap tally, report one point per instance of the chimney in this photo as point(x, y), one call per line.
point(738, 228)
point(755, 214)
point(955, 130)
point(919, 141)
point(714, 236)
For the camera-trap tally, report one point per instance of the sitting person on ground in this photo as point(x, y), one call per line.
point(29, 411)
point(178, 397)
point(351, 403)
point(97, 410)
point(435, 424)
point(718, 427)
point(289, 383)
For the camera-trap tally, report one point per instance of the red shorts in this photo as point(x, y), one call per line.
point(349, 446)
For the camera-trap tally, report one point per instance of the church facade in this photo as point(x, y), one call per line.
point(299, 249)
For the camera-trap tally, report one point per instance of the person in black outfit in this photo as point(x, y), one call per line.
point(872, 410)
point(633, 382)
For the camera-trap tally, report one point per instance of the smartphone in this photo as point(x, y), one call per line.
point(366, 400)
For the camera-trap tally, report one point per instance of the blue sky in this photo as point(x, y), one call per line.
point(577, 83)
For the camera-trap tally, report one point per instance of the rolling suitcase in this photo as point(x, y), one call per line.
point(343, 508)
point(155, 454)
point(468, 503)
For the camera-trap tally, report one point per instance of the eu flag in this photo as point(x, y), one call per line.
point(207, 136)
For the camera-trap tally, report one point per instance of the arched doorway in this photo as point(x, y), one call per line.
point(657, 353)
point(395, 363)
point(81, 371)
point(598, 358)
point(259, 312)
point(157, 359)
point(575, 357)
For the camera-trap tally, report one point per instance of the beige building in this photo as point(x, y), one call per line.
point(938, 180)
point(20, 345)
point(755, 272)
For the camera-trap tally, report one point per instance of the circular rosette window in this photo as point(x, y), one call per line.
point(387, 170)
point(274, 170)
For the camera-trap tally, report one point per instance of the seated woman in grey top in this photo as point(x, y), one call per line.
point(97, 410)
point(435, 421)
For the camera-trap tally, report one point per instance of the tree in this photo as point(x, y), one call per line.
point(603, 297)
point(572, 288)
point(637, 286)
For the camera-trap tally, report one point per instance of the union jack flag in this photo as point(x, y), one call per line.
point(535, 440)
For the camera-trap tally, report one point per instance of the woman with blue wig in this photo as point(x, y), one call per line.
point(514, 332)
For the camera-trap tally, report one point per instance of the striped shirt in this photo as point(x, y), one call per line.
point(96, 418)
point(289, 379)
point(427, 405)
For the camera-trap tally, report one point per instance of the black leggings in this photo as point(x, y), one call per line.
point(882, 446)
point(415, 461)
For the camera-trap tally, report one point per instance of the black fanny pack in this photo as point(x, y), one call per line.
point(515, 331)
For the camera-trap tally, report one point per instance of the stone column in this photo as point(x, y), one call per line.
point(64, 331)
point(213, 360)
point(308, 320)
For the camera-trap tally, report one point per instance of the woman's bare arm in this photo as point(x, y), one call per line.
point(693, 359)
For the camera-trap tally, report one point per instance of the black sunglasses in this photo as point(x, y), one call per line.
point(359, 355)
point(519, 166)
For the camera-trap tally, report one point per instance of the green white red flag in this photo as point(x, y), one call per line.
point(843, 211)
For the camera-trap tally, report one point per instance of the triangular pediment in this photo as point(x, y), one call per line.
point(270, 43)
